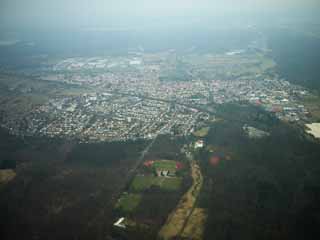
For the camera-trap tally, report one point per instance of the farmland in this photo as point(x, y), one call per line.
point(6, 175)
point(156, 180)
point(141, 183)
point(202, 132)
point(194, 228)
point(128, 202)
point(180, 217)
point(165, 165)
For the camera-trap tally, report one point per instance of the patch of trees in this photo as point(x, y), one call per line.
point(152, 207)
point(270, 189)
point(166, 147)
point(104, 154)
point(297, 56)
point(64, 190)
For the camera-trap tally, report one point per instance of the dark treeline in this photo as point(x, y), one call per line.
point(270, 189)
point(297, 55)
point(63, 189)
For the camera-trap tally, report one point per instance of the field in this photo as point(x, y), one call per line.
point(266, 63)
point(128, 202)
point(314, 129)
point(6, 175)
point(194, 228)
point(312, 103)
point(165, 165)
point(178, 219)
point(141, 183)
point(202, 132)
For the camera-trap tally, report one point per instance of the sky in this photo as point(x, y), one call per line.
point(108, 13)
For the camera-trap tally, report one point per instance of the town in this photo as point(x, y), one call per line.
point(143, 95)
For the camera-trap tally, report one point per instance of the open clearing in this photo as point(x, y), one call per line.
point(194, 228)
point(202, 132)
point(7, 175)
point(128, 202)
point(312, 103)
point(141, 183)
point(165, 165)
point(314, 129)
point(178, 219)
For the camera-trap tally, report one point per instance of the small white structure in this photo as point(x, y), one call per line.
point(199, 144)
point(120, 223)
point(163, 173)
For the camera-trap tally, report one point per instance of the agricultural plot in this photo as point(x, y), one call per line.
point(194, 228)
point(7, 175)
point(155, 183)
point(165, 165)
point(141, 183)
point(202, 132)
point(128, 202)
point(312, 104)
point(171, 184)
point(178, 219)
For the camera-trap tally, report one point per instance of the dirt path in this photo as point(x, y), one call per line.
point(179, 218)
point(195, 226)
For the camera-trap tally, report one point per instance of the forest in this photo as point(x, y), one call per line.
point(267, 188)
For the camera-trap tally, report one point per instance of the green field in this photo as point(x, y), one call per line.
point(165, 165)
point(141, 183)
point(266, 62)
point(128, 202)
point(202, 132)
point(171, 184)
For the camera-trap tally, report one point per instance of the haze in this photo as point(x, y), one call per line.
point(38, 14)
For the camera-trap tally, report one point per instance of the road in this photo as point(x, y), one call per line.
point(178, 219)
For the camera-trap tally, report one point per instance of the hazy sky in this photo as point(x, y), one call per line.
point(91, 13)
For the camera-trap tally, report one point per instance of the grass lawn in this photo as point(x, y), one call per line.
point(266, 62)
point(129, 202)
point(165, 165)
point(141, 183)
point(202, 132)
point(171, 184)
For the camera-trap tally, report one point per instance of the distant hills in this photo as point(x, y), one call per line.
point(297, 55)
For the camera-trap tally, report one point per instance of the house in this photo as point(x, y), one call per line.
point(162, 173)
point(199, 144)
point(120, 223)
